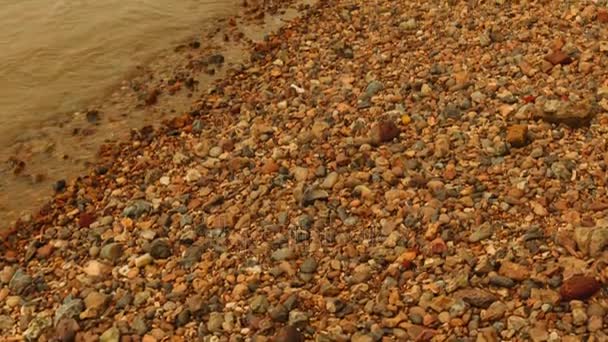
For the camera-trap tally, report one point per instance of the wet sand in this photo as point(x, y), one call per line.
point(65, 146)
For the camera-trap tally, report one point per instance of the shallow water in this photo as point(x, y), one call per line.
point(55, 56)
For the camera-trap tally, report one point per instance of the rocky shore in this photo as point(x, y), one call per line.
point(377, 171)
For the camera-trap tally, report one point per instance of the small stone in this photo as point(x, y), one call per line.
point(516, 323)
point(506, 96)
point(297, 317)
point(6, 274)
point(192, 256)
point(517, 135)
point(44, 251)
point(36, 327)
point(285, 253)
point(408, 25)
point(579, 287)
point(309, 265)
point(95, 268)
point(476, 297)
point(595, 323)
point(478, 97)
point(311, 195)
point(361, 273)
point(95, 301)
point(183, 318)
point(579, 317)
point(330, 180)
point(279, 313)
point(71, 308)
point(259, 304)
point(160, 249)
point(373, 88)
point(137, 209)
point(139, 325)
point(289, 334)
point(143, 260)
point(558, 57)
point(66, 330)
point(598, 241)
point(383, 131)
point(573, 114)
point(538, 334)
point(215, 152)
point(494, 312)
point(112, 251)
point(426, 90)
point(193, 175)
point(300, 174)
point(215, 322)
point(481, 233)
point(110, 335)
point(141, 298)
point(501, 281)
point(514, 271)
point(21, 282)
point(13, 301)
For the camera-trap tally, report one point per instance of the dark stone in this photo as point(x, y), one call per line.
point(160, 249)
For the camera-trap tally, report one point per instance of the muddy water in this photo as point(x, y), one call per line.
point(57, 55)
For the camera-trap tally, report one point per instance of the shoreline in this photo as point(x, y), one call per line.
point(386, 171)
point(45, 155)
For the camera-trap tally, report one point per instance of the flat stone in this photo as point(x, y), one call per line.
point(476, 297)
point(558, 57)
point(514, 271)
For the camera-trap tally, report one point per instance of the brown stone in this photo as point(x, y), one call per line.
point(44, 251)
point(527, 69)
point(517, 135)
point(66, 330)
point(558, 57)
point(270, 166)
point(476, 297)
point(574, 115)
point(383, 131)
point(85, 220)
point(289, 334)
point(514, 271)
point(438, 246)
point(579, 287)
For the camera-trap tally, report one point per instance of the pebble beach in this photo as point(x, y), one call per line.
point(371, 171)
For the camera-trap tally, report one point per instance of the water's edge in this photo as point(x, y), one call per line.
point(66, 147)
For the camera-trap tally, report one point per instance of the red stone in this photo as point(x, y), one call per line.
point(529, 99)
point(579, 287)
point(85, 220)
point(558, 57)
